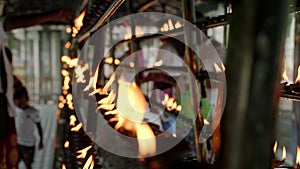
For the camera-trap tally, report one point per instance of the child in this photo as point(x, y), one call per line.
point(26, 118)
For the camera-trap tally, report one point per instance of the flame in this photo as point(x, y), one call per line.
point(223, 67)
point(217, 68)
point(77, 128)
point(129, 115)
point(298, 156)
point(71, 62)
point(275, 147)
point(158, 63)
point(72, 120)
point(70, 101)
point(206, 122)
point(170, 103)
point(146, 140)
point(178, 25)
point(66, 145)
point(284, 76)
point(83, 152)
point(283, 153)
point(63, 166)
point(138, 32)
point(108, 60)
point(131, 64)
point(79, 73)
point(67, 45)
point(89, 163)
point(93, 83)
point(117, 61)
point(132, 107)
point(168, 26)
point(298, 75)
point(68, 30)
point(78, 23)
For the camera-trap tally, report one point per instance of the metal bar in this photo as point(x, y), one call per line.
point(109, 12)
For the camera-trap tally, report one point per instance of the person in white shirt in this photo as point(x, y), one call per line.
point(27, 118)
point(8, 150)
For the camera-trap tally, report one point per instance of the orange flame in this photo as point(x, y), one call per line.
point(77, 128)
point(217, 68)
point(71, 62)
point(89, 163)
point(63, 166)
point(66, 145)
point(146, 139)
point(83, 152)
point(132, 106)
point(298, 156)
point(93, 83)
point(284, 76)
point(170, 103)
point(158, 63)
point(79, 73)
point(168, 26)
point(283, 157)
point(138, 32)
point(72, 120)
point(68, 45)
point(298, 75)
point(275, 147)
point(78, 21)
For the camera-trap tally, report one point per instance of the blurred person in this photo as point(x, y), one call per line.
point(27, 117)
point(9, 154)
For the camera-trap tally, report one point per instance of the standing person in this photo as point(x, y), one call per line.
point(9, 155)
point(27, 117)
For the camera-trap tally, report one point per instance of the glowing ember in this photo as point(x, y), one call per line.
point(89, 163)
point(298, 75)
point(77, 128)
point(298, 156)
point(83, 152)
point(79, 73)
point(217, 68)
point(66, 145)
point(275, 147)
point(72, 120)
point(283, 153)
